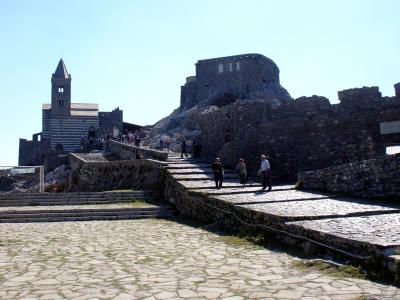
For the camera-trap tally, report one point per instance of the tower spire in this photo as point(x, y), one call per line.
point(61, 70)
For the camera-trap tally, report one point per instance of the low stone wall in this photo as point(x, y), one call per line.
point(125, 151)
point(378, 177)
point(123, 174)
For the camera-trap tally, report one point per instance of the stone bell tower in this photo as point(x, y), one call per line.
point(61, 91)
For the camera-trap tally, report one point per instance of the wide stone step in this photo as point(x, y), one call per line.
point(180, 165)
point(85, 218)
point(17, 214)
point(194, 177)
point(74, 195)
point(193, 171)
point(68, 202)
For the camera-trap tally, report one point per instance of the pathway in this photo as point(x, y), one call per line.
point(156, 259)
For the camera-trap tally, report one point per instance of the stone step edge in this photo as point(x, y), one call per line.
point(88, 218)
point(82, 214)
point(83, 210)
point(66, 198)
point(57, 203)
point(52, 195)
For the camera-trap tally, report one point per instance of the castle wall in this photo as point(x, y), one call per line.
point(240, 75)
point(368, 178)
point(305, 134)
point(110, 120)
point(32, 153)
point(243, 76)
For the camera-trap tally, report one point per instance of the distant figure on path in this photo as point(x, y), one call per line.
point(218, 173)
point(345, 158)
point(161, 144)
point(265, 173)
point(196, 149)
point(242, 172)
point(183, 149)
point(167, 144)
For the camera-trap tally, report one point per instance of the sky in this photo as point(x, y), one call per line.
point(136, 54)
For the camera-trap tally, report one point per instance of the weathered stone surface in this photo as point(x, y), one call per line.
point(301, 135)
point(397, 89)
point(121, 174)
point(125, 151)
point(273, 214)
point(107, 260)
point(360, 94)
point(381, 230)
point(378, 177)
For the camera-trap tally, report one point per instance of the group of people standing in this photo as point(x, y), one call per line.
point(264, 172)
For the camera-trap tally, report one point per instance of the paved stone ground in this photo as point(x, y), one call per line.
point(382, 230)
point(155, 259)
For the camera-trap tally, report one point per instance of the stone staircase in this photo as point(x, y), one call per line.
point(57, 207)
point(365, 230)
point(33, 199)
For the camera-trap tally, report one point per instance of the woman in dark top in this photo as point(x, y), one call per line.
point(218, 173)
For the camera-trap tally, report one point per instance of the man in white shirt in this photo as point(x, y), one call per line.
point(265, 171)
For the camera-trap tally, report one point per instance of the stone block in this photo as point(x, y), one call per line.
point(397, 90)
point(360, 94)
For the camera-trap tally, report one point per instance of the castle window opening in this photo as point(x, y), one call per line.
point(230, 67)
point(220, 68)
point(61, 89)
point(391, 150)
point(237, 66)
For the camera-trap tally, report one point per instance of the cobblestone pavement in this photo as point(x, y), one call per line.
point(155, 259)
point(383, 230)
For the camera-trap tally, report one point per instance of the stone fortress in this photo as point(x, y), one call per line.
point(245, 76)
point(303, 134)
point(66, 126)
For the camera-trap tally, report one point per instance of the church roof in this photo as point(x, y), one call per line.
point(80, 109)
point(61, 71)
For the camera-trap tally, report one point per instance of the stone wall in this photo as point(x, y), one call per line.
point(109, 121)
point(125, 151)
point(378, 177)
point(302, 135)
point(124, 174)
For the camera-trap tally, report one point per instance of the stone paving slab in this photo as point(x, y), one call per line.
point(201, 176)
point(314, 209)
point(247, 192)
point(210, 184)
point(197, 171)
point(179, 165)
point(283, 193)
point(382, 230)
point(107, 260)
